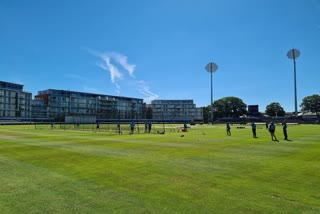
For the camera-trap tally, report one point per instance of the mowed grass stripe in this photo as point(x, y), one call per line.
point(159, 175)
point(41, 190)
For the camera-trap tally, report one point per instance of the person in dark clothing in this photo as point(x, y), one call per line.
point(119, 128)
point(185, 127)
point(254, 130)
point(284, 128)
point(228, 129)
point(149, 127)
point(272, 129)
point(132, 125)
point(146, 127)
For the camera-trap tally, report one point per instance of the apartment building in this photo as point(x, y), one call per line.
point(176, 110)
point(58, 104)
point(14, 102)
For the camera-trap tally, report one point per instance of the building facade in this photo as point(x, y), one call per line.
point(176, 110)
point(52, 104)
point(58, 104)
point(14, 102)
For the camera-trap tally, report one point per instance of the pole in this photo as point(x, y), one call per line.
point(293, 54)
point(211, 115)
point(211, 67)
point(295, 85)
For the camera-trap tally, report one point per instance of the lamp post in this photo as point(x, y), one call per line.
point(211, 67)
point(293, 54)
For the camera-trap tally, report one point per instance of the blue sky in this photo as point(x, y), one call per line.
point(157, 49)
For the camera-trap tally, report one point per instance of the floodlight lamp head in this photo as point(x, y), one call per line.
point(211, 67)
point(293, 53)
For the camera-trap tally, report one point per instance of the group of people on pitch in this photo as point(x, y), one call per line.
point(271, 128)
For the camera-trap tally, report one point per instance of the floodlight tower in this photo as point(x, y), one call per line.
point(293, 54)
point(211, 67)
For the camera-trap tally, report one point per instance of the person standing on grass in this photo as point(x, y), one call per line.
point(284, 128)
point(254, 130)
point(228, 129)
point(145, 127)
point(119, 128)
point(149, 127)
point(185, 127)
point(272, 129)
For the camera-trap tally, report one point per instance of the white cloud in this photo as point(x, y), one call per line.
point(118, 89)
point(144, 89)
point(123, 61)
point(115, 63)
point(110, 62)
point(108, 66)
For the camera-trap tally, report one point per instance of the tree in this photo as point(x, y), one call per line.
point(206, 114)
point(311, 104)
point(274, 110)
point(229, 107)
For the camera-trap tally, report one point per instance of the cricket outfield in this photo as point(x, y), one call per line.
point(199, 171)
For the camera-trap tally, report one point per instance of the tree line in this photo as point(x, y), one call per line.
point(235, 107)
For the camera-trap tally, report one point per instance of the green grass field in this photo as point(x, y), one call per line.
point(201, 171)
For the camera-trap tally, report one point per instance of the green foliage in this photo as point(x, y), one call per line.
point(200, 171)
point(206, 114)
point(274, 109)
point(311, 104)
point(229, 107)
